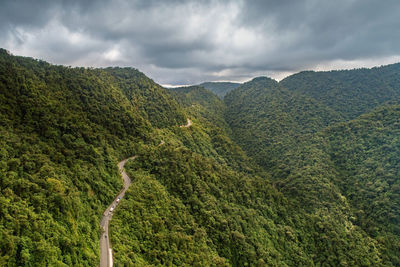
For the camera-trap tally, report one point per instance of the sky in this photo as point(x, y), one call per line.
point(187, 42)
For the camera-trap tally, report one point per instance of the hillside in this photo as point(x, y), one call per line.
point(62, 130)
point(237, 211)
point(353, 164)
point(201, 103)
point(348, 92)
point(220, 88)
point(267, 119)
point(321, 162)
point(148, 97)
point(365, 152)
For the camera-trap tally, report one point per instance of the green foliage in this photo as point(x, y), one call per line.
point(342, 171)
point(209, 133)
point(349, 92)
point(244, 219)
point(268, 120)
point(238, 215)
point(144, 94)
point(366, 153)
point(62, 131)
point(201, 103)
point(152, 227)
point(220, 88)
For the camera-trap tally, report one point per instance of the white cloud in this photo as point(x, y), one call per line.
point(112, 55)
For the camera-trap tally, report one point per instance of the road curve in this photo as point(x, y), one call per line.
point(105, 248)
point(188, 124)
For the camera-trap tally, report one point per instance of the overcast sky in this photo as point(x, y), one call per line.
point(187, 42)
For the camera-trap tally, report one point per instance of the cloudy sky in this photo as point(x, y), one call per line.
point(187, 42)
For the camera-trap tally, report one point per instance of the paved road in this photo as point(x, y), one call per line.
point(189, 123)
point(105, 248)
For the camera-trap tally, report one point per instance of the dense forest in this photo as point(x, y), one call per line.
point(62, 130)
point(303, 172)
point(320, 159)
point(220, 88)
point(350, 93)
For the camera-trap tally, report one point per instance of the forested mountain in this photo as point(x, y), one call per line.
point(322, 162)
point(352, 165)
point(153, 102)
point(220, 88)
point(62, 130)
point(365, 152)
point(201, 103)
point(267, 119)
point(242, 217)
point(348, 92)
point(269, 176)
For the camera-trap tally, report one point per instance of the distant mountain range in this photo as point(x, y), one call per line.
point(220, 88)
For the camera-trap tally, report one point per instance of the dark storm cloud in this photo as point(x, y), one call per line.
point(184, 42)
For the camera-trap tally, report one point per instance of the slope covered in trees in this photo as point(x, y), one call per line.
point(348, 92)
point(353, 163)
point(241, 217)
point(351, 244)
point(220, 88)
point(151, 99)
point(328, 167)
point(365, 152)
point(201, 103)
point(267, 119)
point(62, 130)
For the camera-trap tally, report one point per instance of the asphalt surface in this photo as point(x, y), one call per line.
point(106, 259)
point(189, 123)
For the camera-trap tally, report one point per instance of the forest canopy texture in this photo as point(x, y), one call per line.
point(302, 172)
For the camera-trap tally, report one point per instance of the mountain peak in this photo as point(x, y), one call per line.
point(263, 79)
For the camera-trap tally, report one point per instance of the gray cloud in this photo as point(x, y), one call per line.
point(185, 42)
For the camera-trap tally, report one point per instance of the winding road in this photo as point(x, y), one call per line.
point(106, 259)
point(189, 123)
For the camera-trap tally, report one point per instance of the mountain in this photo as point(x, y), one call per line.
point(348, 92)
point(148, 97)
point(62, 130)
point(353, 166)
point(268, 176)
point(201, 103)
point(267, 119)
point(365, 152)
point(220, 88)
point(221, 203)
point(320, 160)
